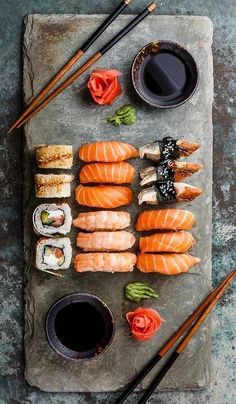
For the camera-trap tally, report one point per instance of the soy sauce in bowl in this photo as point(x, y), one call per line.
point(79, 326)
point(164, 74)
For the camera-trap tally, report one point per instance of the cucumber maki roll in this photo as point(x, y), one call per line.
point(51, 220)
point(54, 254)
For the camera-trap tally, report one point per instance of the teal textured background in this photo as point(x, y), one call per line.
point(13, 388)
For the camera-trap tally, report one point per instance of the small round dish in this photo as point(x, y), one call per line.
point(164, 74)
point(79, 326)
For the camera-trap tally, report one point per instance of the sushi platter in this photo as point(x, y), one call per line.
point(108, 205)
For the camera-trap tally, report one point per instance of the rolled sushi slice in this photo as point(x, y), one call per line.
point(53, 254)
point(51, 219)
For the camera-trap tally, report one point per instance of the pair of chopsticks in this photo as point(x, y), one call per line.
point(194, 320)
point(41, 100)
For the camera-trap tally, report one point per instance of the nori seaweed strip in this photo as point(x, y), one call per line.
point(165, 191)
point(164, 171)
point(168, 149)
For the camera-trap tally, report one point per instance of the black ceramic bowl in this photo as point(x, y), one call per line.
point(79, 326)
point(164, 74)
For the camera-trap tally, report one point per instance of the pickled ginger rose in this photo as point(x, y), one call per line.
point(104, 86)
point(144, 323)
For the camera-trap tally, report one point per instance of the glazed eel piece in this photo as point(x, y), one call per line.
point(167, 149)
point(168, 170)
point(168, 191)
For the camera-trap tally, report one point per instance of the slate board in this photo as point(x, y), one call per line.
point(73, 119)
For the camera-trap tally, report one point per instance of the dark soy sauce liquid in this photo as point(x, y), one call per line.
point(164, 75)
point(79, 326)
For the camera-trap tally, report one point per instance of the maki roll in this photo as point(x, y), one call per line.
point(53, 254)
point(51, 220)
point(54, 156)
point(52, 185)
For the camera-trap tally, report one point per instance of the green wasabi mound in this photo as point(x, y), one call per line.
point(125, 115)
point(136, 291)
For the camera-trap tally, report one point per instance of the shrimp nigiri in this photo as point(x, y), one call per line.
point(168, 191)
point(106, 241)
point(107, 152)
point(167, 149)
point(167, 264)
point(165, 219)
point(102, 220)
point(103, 196)
point(116, 173)
point(177, 242)
point(105, 262)
point(173, 170)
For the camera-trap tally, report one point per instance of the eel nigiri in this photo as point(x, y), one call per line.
point(102, 220)
point(177, 242)
point(107, 152)
point(173, 170)
point(165, 219)
point(116, 173)
point(167, 264)
point(103, 196)
point(105, 262)
point(168, 191)
point(167, 149)
point(105, 241)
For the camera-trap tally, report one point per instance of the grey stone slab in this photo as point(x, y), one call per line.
point(72, 118)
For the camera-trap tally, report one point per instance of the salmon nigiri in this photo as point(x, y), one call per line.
point(177, 242)
point(105, 262)
point(116, 173)
point(165, 219)
point(107, 152)
point(102, 220)
point(105, 241)
point(174, 170)
point(166, 264)
point(103, 196)
point(168, 191)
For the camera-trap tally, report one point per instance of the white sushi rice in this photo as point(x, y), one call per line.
point(43, 262)
point(54, 209)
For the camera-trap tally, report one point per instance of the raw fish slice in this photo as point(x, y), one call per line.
point(106, 241)
point(102, 220)
point(177, 242)
point(175, 170)
point(167, 149)
point(171, 192)
point(105, 262)
point(107, 151)
point(103, 196)
point(167, 264)
point(116, 173)
point(165, 219)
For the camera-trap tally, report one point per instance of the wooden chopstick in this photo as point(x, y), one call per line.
point(168, 345)
point(185, 341)
point(71, 62)
point(91, 61)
